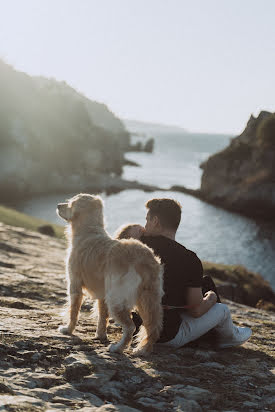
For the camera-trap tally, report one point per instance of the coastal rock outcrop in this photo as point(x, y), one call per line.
point(53, 138)
point(241, 177)
point(42, 370)
point(236, 283)
point(139, 146)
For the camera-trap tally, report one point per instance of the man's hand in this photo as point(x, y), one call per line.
point(211, 296)
point(198, 303)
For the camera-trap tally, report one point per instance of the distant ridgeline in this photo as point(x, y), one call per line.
point(242, 176)
point(52, 138)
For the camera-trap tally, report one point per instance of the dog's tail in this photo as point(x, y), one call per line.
point(149, 306)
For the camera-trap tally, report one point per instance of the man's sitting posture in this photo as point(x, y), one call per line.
point(187, 313)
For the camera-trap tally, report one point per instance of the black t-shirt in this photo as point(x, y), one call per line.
point(182, 269)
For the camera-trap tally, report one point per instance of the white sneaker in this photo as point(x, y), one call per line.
point(241, 335)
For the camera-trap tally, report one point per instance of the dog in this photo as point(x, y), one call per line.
point(122, 275)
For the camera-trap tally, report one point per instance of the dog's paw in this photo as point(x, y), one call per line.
point(115, 348)
point(101, 338)
point(141, 352)
point(65, 330)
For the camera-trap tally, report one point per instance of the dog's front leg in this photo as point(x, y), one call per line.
point(75, 297)
point(103, 316)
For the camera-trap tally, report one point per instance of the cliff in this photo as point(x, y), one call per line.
point(53, 138)
point(42, 370)
point(242, 176)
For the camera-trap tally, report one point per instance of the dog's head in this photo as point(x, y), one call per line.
point(80, 206)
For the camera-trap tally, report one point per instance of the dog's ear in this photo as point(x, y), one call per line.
point(98, 201)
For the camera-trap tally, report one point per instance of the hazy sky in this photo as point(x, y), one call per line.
point(205, 65)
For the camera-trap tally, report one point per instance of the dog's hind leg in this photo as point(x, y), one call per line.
point(122, 315)
point(120, 298)
point(149, 307)
point(103, 316)
point(75, 301)
point(150, 310)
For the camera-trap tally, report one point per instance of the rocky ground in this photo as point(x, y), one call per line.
point(42, 370)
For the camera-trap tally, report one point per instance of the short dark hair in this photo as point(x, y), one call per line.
point(168, 212)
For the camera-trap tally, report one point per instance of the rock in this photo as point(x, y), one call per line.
point(128, 162)
point(21, 403)
point(5, 388)
point(213, 365)
point(66, 391)
point(96, 380)
point(185, 405)
point(77, 369)
point(190, 392)
point(113, 391)
point(241, 177)
point(139, 146)
point(37, 356)
point(248, 404)
point(270, 388)
point(113, 408)
point(46, 230)
point(47, 381)
point(149, 145)
point(43, 394)
point(238, 284)
point(270, 401)
point(152, 404)
point(204, 355)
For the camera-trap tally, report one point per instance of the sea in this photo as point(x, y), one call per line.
point(214, 234)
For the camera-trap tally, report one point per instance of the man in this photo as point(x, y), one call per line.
point(187, 313)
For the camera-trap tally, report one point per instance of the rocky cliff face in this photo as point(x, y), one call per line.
point(42, 370)
point(242, 176)
point(53, 138)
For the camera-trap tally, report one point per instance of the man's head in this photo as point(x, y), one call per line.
point(163, 216)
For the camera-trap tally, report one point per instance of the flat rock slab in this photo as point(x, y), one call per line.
point(42, 370)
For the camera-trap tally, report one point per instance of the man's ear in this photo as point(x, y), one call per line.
point(155, 221)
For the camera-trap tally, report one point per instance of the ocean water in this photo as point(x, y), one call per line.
point(214, 234)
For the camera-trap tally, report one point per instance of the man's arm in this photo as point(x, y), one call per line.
point(197, 304)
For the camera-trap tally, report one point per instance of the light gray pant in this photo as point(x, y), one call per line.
point(217, 317)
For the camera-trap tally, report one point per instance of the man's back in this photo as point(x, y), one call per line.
point(182, 269)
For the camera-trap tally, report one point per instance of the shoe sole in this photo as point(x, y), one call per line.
point(231, 345)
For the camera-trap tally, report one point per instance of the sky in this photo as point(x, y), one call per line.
point(204, 65)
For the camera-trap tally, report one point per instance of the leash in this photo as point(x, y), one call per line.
point(168, 307)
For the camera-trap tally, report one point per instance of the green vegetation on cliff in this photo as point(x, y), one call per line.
point(12, 217)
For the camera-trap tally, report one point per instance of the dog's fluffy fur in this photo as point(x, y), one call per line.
point(120, 274)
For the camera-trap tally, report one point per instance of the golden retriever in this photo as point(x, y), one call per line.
point(120, 274)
